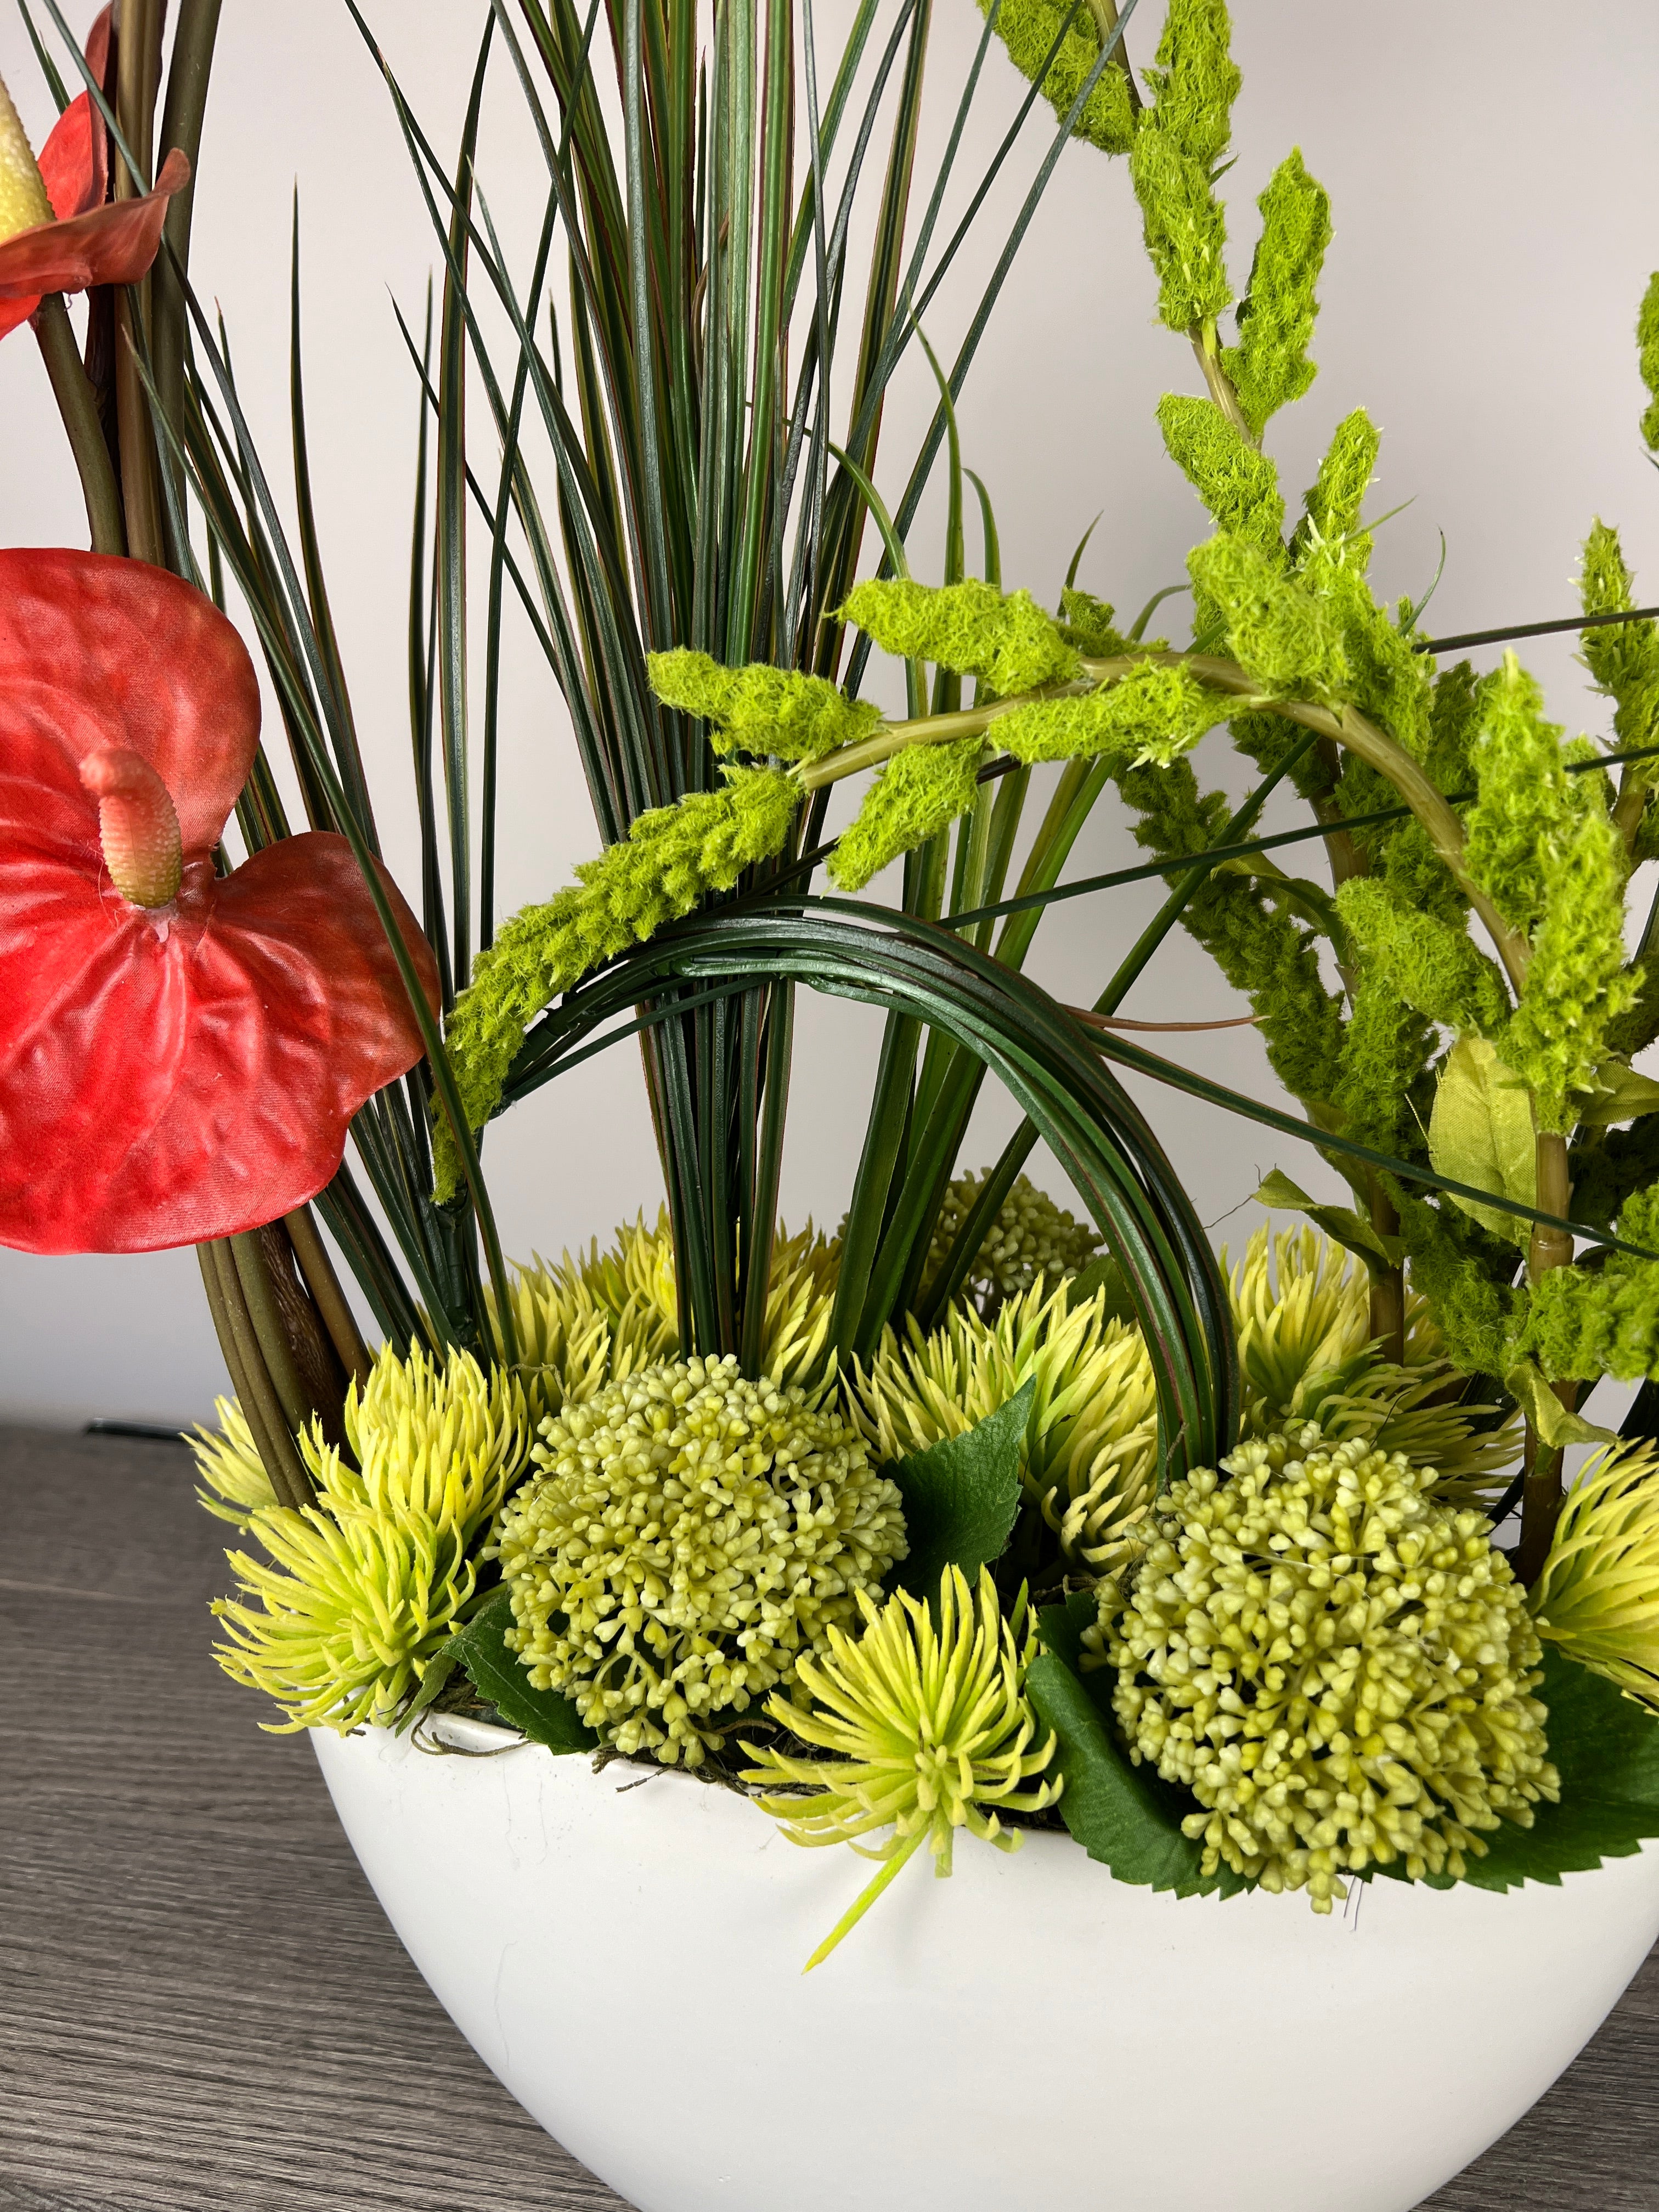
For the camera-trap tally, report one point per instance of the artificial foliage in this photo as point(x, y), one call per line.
point(1338, 1670)
point(674, 856)
point(688, 1536)
point(997, 1509)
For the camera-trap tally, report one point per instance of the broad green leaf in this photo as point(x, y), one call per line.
point(1619, 1095)
point(1102, 1274)
point(1555, 1425)
point(1121, 1814)
point(1481, 1131)
point(1341, 1224)
point(962, 1497)
point(544, 1716)
point(1606, 1747)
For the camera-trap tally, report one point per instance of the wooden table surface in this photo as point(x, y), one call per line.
point(200, 2004)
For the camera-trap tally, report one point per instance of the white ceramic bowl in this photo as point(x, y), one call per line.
point(626, 1956)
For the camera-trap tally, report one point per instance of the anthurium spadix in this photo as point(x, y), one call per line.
point(180, 1052)
point(56, 233)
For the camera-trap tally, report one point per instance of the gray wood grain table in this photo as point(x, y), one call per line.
point(200, 2004)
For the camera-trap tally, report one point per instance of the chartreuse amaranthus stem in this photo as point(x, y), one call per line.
point(1347, 725)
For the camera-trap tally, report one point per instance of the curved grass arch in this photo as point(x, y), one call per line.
point(1025, 1038)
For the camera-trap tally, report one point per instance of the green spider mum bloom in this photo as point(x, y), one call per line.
point(1598, 1596)
point(1089, 1461)
point(1031, 1237)
point(689, 1535)
point(1337, 1667)
point(1302, 1314)
point(365, 1584)
point(585, 1323)
point(229, 1463)
point(930, 1729)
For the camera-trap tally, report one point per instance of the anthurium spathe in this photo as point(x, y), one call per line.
point(180, 1053)
point(57, 235)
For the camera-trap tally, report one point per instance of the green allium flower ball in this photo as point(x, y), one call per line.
point(1032, 1238)
point(1339, 1669)
point(691, 1534)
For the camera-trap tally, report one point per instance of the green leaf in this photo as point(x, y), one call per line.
point(1123, 1814)
point(1340, 1223)
point(1606, 1747)
point(1620, 1095)
point(962, 1497)
point(1102, 1274)
point(1481, 1131)
point(544, 1716)
point(1555, 1425)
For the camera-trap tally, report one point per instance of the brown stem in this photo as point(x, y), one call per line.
point(77, 403)
point(324, 1284)
point(266, 1312)
point(290, 1484)
point(1541, 1496)
point(322, 1375)
point(138, 77)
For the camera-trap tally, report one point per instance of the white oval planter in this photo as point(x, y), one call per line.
point(627, 1959)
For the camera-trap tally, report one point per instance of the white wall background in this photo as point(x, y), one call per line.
point(1494, 174)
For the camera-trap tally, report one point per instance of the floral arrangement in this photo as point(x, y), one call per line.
point(980, 1514)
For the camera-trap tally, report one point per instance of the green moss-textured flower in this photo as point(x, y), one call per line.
point(1089, 1461)
point(365, 1585)
point(1031, 1238)
point(689, 1535)
point(930, 1732)
point(1598, 1596)
point(1338, 1669)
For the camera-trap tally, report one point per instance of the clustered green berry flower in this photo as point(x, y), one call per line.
point(1031, 1237)
point(691, 1534)
point(1337, 1667)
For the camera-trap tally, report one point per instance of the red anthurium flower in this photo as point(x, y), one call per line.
point(179, 1054)
point(56, 233)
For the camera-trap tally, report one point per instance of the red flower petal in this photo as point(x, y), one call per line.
point(74, 162)
point(97, 651)
point(162, 1085)
point(97, 46)
point(12, 311)
point(112, 245)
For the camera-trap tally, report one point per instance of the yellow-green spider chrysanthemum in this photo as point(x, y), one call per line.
point(601, 1316)
point(1089, 1457)
point(229, 1463)
point(1302, 1312)
point(1598, 1596)
point(366, 1584)
point(931, 1732)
